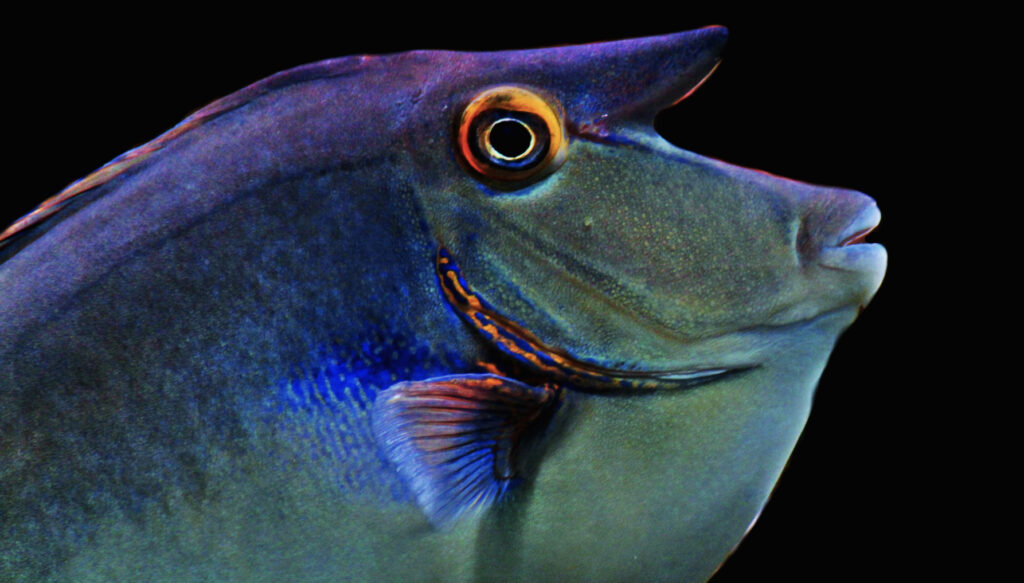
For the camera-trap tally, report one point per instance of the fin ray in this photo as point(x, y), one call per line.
point(453, 439)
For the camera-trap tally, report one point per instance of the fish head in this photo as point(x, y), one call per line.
point(608, 244)
point(688, 304)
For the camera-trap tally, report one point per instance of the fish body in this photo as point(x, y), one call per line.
point(223, 355)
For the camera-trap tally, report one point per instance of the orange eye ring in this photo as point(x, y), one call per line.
point(509, 134)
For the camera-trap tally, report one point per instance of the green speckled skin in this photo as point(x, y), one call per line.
point(191, 350)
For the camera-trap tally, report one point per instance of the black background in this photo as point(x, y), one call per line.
point(835, 97)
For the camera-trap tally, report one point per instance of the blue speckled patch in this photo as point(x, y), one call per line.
point(323, 409)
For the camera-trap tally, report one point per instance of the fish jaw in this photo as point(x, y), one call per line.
point(850, 252)
point(839, 266)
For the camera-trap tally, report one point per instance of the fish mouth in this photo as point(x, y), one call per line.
point(849, 250)
point(864, 222)
point(553, 363)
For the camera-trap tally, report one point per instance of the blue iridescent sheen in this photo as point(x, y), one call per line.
point(325, 406)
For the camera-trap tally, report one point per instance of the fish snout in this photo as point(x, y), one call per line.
point(832, 235)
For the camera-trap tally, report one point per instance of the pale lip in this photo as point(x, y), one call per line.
point(849, 251)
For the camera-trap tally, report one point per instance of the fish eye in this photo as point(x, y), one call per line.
point(509, 135)
point(509, 140)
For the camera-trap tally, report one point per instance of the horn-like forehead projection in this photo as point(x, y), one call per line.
point(624, 80)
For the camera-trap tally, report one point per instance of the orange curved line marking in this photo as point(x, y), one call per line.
point(505, 332)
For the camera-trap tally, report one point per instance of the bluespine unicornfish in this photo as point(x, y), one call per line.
point(429, 316)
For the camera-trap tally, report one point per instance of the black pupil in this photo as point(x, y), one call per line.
point(510, 138)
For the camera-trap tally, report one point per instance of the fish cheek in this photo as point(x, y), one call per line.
point(669, 241)
point(704, 251)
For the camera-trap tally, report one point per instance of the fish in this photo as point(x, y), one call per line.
point(328, 328)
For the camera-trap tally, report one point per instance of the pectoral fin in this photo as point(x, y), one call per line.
point(454, 439)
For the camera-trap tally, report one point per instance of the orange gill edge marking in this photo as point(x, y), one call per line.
point(518, 342)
